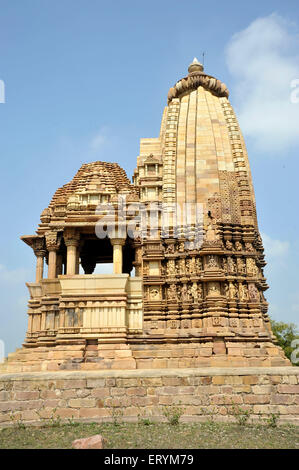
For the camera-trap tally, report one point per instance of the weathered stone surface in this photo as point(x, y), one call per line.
point(145, 392)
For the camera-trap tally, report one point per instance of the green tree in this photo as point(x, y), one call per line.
point(285, 333)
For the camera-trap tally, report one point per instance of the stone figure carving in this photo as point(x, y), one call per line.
point(241, 266)
point(198, 265)
point(243, 292)
point(249, 247)
point(226, 290)
point(238, 246)
point(190, 294)
point(213, 288)
point(170, 249)
point(154, 293)
point(192, 266)
point(253, 293)
point(182, 267)
point(181, 247)
point(184, 293)
point(211, 236)
point(171, 269)
point(229, 245)
point(200, 292)
point(252, 269)
point(233, 293)
point(190, 245)
point(171, 292)
point(212, 263)
point(231, 265)
point(194, 292)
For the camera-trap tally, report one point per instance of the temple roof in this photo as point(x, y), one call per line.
point(97, 176)
point(94, 179)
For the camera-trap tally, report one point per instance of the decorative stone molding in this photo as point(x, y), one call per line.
point(195, 79)
point(71, 237)
point(52, 241)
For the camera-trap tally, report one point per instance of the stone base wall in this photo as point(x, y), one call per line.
point(101, 356)
point(100, 395)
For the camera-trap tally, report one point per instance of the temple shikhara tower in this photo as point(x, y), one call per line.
point(187, 284)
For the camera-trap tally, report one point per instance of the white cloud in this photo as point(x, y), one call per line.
point(264, 62)
point(274, 248)
point(13, 276)
point(99, 139)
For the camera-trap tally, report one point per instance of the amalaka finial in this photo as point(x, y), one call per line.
point(195, 66)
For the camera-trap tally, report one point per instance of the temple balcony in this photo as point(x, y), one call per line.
point(102, 306)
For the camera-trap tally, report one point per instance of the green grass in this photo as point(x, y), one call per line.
point(154, 436)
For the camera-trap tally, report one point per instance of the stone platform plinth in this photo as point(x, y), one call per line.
point(97, 395)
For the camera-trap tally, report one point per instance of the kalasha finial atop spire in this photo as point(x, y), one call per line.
point(195, 66)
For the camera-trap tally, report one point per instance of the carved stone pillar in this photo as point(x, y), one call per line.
point(59, 266)
point(38, 246)
point(117, 244)
point(39, 265)
point(71, 239)
point(52, 263)
point(52, 244)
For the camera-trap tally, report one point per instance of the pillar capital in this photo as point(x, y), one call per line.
point(39, 246)
point(71, 237)
point(52, 241)
point(118, 241)
point(40, 253)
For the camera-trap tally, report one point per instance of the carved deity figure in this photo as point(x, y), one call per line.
point(238, 246)
point(212, 262)
point(241, 266)
point(181, 247)
point(253, 293)
point(170, 249)
point(154, 293)
point(231, 265)
point(190, 245)
point(198, 265)
point(184, 293)
point(252, 269)
point(213, 288)
point(226, 290)
point(171, 292)
point(233, 293)
point(190, 295)
point(194, 292)
point(243, 292)
point(249, 247)
point(200, 292)
point(192, 266)
point(229, 245)
point(211, 235)
point(171, 269)
point(182, 267)
point(187, 266)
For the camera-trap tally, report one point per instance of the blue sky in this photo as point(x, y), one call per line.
point(85, 80)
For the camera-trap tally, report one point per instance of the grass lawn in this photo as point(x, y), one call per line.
point(154, 436)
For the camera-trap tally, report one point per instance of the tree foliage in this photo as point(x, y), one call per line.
point(285, 333)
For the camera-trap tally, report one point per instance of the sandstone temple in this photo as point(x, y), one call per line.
point(187, 285)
